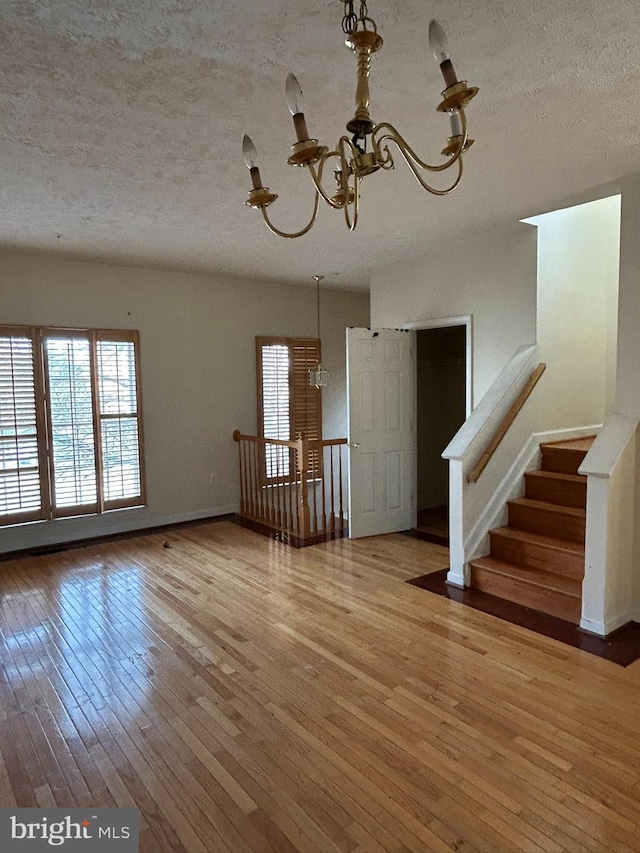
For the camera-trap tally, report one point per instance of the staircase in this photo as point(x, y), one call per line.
point(538, 559)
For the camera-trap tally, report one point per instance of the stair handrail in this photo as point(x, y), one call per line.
point(506, 422)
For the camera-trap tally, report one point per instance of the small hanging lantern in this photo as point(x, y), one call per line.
point(318, 376)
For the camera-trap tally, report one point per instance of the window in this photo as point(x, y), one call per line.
point(287, 404)
point(70, 426)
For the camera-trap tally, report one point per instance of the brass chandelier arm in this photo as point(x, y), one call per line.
point(394, 136)
point(352, 223)
point(300, 233)
point(345, 170)
point(345, 142)
point(422, 182)
point(316, 177)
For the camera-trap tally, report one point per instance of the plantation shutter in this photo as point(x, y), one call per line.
point(287, 404)
point(118, 412)
point(21, 497)
point(274, 403)
point(306, 400)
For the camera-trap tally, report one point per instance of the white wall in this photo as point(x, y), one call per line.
point(578, 266)
point(198, 370)
point(635, 570)
point(491, 276)
point(628, 384)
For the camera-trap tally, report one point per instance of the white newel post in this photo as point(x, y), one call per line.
point(610, 466)
point(458, 569)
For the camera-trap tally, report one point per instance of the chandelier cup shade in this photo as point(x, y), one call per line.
point(366, 149)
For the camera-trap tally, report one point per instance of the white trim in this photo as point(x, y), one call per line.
point(442, 322)
point(602, 629)
point(607, 449)
point(60, 531)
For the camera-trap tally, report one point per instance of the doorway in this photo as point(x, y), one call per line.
point(442, 405)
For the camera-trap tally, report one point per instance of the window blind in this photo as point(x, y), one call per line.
point(275, 405)
point(287, 404)
point(20, 488)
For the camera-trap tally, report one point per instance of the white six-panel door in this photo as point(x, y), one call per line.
point(381, 431)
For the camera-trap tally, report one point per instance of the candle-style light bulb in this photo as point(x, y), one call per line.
point(440, 50)
point(250, 156)
point(438, 42)
point(295, 104)
point(293, 90)
point(249, 152)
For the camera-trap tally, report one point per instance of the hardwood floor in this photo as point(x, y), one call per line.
point(246, 696)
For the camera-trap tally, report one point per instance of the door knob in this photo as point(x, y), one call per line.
point(354, 444)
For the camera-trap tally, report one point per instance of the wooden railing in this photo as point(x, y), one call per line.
point(295, 487)
point(506, 422)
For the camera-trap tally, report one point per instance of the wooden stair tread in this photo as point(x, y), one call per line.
point(582, 444)
point(545, 506)
point(557, 475)
point(556, 487)
point(556, 584)
point(541, 539)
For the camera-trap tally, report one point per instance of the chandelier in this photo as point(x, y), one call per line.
point(366, 150)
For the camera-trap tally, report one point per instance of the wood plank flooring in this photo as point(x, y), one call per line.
point(246, 696)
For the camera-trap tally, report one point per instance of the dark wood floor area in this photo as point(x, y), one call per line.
point(246, 696)
point(433, 525)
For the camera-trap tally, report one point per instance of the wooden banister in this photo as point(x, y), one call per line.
point(298, 491)
point(238, 436)
point(506, 422)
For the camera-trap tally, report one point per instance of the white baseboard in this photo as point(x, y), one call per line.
point(602, 629)
point(40, 534)
point(593, 627)
point(512, 486)
point(456, 579)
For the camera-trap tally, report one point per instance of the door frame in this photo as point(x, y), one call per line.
point(465, 320)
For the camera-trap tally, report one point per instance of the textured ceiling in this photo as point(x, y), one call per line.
point(121, 124)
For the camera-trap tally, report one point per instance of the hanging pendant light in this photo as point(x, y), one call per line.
point(319, 376)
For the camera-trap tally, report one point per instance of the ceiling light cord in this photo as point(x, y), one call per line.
point(318, 278)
